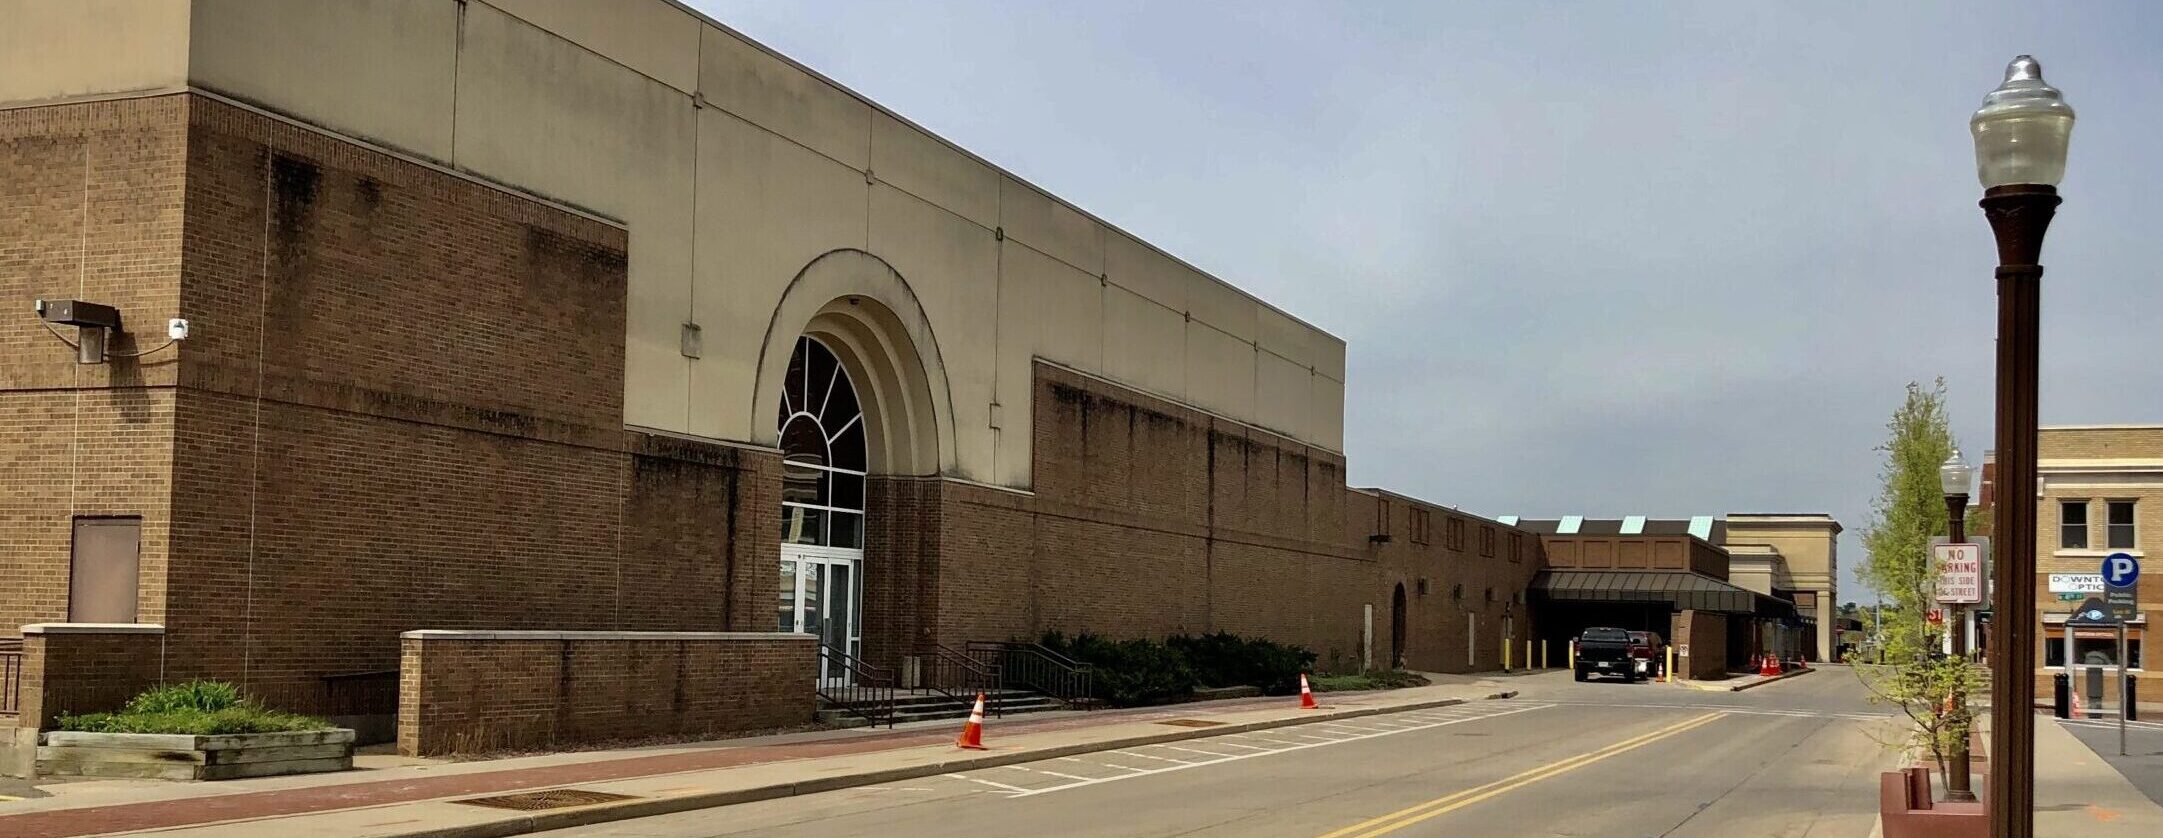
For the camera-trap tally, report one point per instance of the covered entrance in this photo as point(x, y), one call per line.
point(823, 462)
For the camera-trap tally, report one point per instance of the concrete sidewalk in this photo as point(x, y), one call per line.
point(1739, 681)
point(2077, 793)
point(417, 800)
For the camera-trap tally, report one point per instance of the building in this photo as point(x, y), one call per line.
point(522, 315)
point(1743, 585)
point(2100, 491)
point(1795, 556)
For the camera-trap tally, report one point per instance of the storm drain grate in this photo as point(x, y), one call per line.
point(1191, 723)
point(528, 801)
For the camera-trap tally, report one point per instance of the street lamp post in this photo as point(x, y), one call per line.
point(2020, 141)
point(1955, 477)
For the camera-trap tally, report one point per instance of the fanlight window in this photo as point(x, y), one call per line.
point(823, 455)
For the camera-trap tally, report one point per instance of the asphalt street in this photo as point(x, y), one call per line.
point(1795, 758)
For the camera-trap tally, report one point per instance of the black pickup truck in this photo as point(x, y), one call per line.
point(1605, 651)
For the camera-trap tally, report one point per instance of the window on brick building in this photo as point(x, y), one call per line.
point(2118, 526)
point(1487, 541)
point(1517, 547)
point(2073, 524)
point(1419, 526)
point(1454, 534)
point(1381, 517)
point(823, 451)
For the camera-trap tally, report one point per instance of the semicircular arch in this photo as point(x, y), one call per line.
point(863, 310)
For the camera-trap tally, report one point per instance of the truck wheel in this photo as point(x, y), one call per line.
point(1580, 673)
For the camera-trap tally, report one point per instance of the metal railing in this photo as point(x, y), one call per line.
point(961, 677)
point(11, 676)
point(373, 693)
point(867, 692)
point(1032, 667)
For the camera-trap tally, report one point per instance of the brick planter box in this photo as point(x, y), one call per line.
point(161, 756)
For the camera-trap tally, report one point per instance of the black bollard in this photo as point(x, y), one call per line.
point(2061, 695)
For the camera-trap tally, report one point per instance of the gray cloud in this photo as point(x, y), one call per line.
point(1594, 258)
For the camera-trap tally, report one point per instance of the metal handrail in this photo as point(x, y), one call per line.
point(961, 677)
point(1034, 667)
point(11, 677)
point(868, 695)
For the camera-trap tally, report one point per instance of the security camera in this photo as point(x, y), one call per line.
point(177, 328)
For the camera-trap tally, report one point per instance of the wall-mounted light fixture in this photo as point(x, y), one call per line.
point(95, 324)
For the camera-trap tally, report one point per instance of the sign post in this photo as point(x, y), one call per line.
point(2121, 597)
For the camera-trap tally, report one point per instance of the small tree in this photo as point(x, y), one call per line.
point(1918, 678)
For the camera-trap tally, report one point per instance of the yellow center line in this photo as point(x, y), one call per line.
point(1457, 800)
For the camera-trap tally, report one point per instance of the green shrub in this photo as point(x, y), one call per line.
point(198, 695)
point(1224, 659)
point(1128, 673)
point(195, 708)
point(1380, 679)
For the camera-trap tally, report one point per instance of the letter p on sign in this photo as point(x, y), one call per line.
point(2120, 570)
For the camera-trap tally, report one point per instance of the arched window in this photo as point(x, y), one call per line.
point(823, 453)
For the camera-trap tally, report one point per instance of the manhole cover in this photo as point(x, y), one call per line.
point(1191, 723)
point(527, 801)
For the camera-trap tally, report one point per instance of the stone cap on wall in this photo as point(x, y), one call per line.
point(453, 634)
point(93, 628)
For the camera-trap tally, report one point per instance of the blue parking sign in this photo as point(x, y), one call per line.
point(2120, 570)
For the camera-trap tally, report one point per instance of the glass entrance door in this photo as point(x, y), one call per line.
point(821, 595)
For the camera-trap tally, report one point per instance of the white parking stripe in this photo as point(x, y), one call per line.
point(1222, 744)
point(1042, 771)
point(990, 783)
point(1124, 767)
point(1194, 751)
point(1157, 758)
point(1286, 746)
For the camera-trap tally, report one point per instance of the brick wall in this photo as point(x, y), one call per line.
point(86, 668)
point(466, 692)
point(90, 208)
point(1472, 598)
point(1149, 518)
point(1706, 635)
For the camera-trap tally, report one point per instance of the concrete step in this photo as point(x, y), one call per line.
point(917, 708)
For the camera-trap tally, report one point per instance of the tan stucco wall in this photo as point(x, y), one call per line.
point(1809, 549)
point(734, 169)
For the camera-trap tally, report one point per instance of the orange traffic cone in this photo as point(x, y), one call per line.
point(2077, 712)
point(972, 734)
point(1306, 694)
point(1769, 667)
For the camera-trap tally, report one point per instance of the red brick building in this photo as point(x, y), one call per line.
point(643, 315)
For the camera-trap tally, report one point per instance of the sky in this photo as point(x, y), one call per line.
point(1594, 258)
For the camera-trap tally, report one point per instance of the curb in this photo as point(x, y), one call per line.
point(1749, 686)
point(649, 807)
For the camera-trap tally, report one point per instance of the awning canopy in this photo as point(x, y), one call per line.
point(1681, 590)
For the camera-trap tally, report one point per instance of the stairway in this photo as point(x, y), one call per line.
point(924, 705)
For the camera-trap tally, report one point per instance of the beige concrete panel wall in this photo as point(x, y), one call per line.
point(1219, 305)
point(1329, 419)
point(1140, 269)
point(1047, 309)
point(50, 50)
point(745, 80)
point(922, 165)
point(767, 207)
point(1284, 396)
point(1145, 344)
point(953, 266)
point(655, 39)
point(540, 112)
point(1294, 341)
point(1220, 371)
point(1061, 232)
point(380, 70)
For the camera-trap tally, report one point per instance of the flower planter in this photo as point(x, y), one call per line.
point(182, 757)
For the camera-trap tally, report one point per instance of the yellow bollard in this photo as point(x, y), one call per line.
point(1505, 654)
point(1528, 653)
point(1573, 655)
point(1543, 653)
point(1668, 674)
